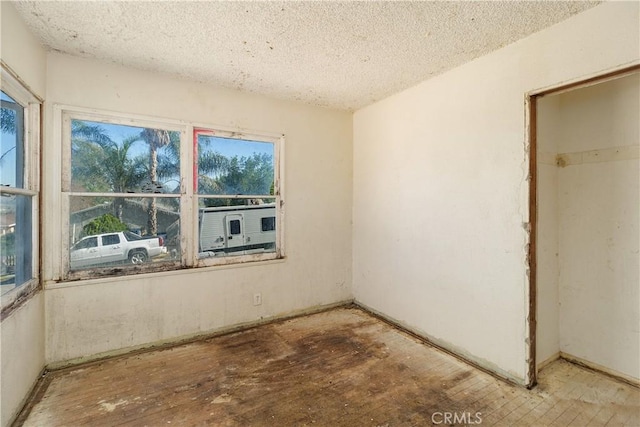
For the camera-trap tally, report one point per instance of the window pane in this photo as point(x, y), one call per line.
point(110, 239)
point(268, 223)
point(234, 227)
point(231, 228)
point(15, 241)
point(106, 231)
point(110, 158)
point(235, 166)
point(11, 143)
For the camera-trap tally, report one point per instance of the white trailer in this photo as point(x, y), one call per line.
point(237, 229)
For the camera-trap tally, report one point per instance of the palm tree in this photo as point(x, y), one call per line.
point(7, 120)
point(211, 166)
point(156, 139)
point(122, 172)
point(102, 165)
point(85, 131)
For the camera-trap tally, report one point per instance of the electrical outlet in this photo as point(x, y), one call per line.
point(257, 299)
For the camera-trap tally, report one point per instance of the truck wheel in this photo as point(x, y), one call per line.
point(138, 257)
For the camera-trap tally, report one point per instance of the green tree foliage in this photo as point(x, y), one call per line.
point(211, 165)
point(168, 162)
point(248, 175)
point(106, 223)
point(7, 120)
point(83, 131)
point(100, 164)
point(7, 125)
point(241, 175)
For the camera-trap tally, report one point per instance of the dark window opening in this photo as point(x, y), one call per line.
point(234, 227)
point(111, 239)
point(269, 223)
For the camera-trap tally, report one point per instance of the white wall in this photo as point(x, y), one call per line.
point(22, 355)
point(22, 332)
point(441, 191)
point(548, 133)
point(89, 318)
point(599, 215)
point(21, 50)
point(588, 264)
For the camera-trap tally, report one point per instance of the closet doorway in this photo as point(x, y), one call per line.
point(585, 214)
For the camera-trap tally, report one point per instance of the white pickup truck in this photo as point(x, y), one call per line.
point(115, 248)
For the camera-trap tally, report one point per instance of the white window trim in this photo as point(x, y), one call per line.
point(189, 232)
point(14, 87)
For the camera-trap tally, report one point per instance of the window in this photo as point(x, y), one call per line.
point(110, 239)
point(156, 199)
point(237, 184)
point(131, 237)
point(89, 242)
point(19, 190)
point(123, 178)
point(268, 223)
point(234, 227)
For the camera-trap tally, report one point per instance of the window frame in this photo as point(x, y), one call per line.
point(31, 140)
point(188, 195)
point(66, 115)
point(278, 141)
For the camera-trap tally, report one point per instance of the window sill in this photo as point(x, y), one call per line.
point(145, 276)
point(13, 299)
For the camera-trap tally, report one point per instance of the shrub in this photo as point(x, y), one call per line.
point(106, 223)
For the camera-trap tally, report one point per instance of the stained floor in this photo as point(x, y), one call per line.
point(337, 368)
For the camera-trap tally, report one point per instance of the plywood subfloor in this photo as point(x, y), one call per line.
point(337, 368)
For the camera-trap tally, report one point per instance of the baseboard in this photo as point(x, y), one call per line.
point(185, 339)
point(484, 366)
point(601, 369)
point(25, 405)
point(547, 361)
point(41, 385)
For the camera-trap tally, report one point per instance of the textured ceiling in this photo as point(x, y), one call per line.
point(337, 54)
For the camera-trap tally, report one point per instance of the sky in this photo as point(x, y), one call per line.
point(8, 151)
point(8, 163)
point(230, 147)
point(225, 146)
